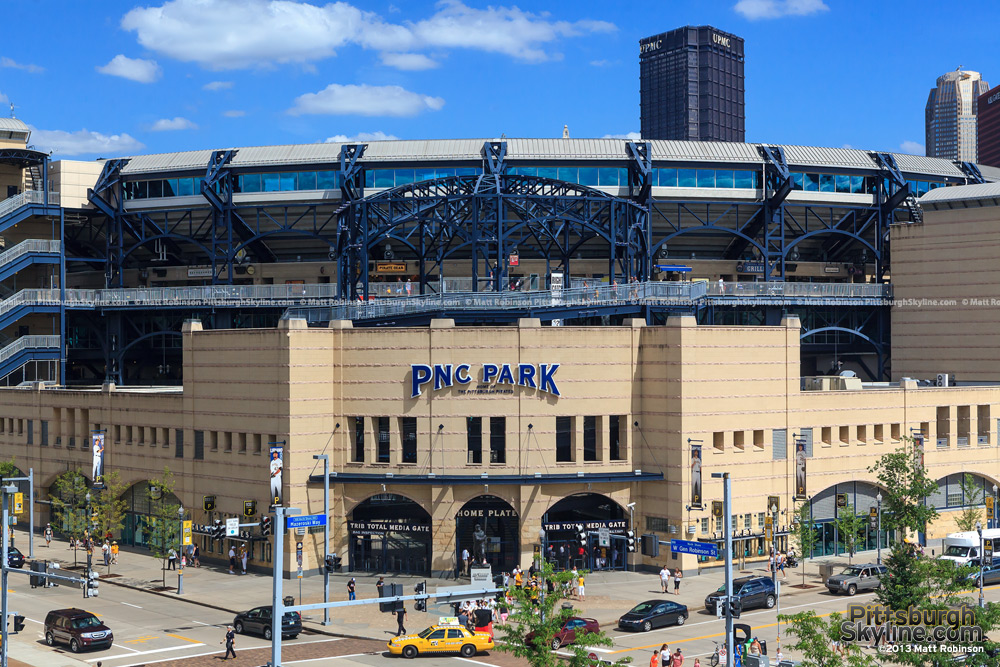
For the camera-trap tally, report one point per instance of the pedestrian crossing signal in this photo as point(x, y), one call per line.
point(249, 508)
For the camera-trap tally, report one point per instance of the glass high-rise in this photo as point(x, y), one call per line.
point(950, 116)
point(691, 85)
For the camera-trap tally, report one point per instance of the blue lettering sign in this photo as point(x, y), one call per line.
point(489, 372)
point(506, 377)
point(545, 381)
point(462, 374)
point(526, 375)
point(442, 376)
point(420, 374)
point(540, 377)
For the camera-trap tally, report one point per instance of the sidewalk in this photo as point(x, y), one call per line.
point(609, 594)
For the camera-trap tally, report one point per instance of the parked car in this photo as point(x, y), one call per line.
point(258, 621)
point(748, 592)
point(653, 614)
point(991, 573)
point(15, 558)
point(448, 638)
point(567, 634)
point(856, 578)
point(78, 628)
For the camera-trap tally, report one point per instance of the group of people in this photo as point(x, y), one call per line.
point(662, 657)
point(238, 560)
point(776, 563)
point(563, 557)
point(666, 574)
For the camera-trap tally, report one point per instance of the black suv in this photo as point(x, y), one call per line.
point(258, 621)
point(78, 628)
point(747, 592)
point(15, 558)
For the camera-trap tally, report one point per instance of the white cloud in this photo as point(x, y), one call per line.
point(365, 100)
point(912, 147)
point(410, 62)
point(134, 69)
point(234, 34)
point(631, 136)
point(234, 113)
point(3, 99)
point(178, 123)
point(847, 146)
point(217, 85)
point(84, 142)
point(772, 9)
point(33, 69)
point(360, 136)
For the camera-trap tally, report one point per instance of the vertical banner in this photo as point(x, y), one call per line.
point(276, 465)
point(97, 446)
point(696, 502)
point(918, 449)
point(800, 470)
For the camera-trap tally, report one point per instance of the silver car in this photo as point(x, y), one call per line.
point(856, 578)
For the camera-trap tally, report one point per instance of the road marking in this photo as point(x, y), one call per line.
point(193, 641)
point(200, 623)
point(132, 605)
point(474, 662)
point(140, 640)
point(128, 648)
point(155, 650)
point(352, 655)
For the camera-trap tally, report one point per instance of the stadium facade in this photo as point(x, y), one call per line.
point(427, 313)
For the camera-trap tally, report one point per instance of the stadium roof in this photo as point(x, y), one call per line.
point(984, 194)
point(543, 150)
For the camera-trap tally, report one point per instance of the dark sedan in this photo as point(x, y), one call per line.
point(991, 573)
point(258, 621)
point(15, 558)
point(568, 632)
point(653, 614)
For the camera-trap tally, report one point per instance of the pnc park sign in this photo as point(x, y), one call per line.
point(493, 376)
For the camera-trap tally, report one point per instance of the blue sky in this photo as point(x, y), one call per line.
point(194, 74)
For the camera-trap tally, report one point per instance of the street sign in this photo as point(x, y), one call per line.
point(232, 527)
point(873, 517)
point(717, 509)
point(18, 503)
point(696, 548)
point(603, 536)
point(987, 550)
point(841, 500)
point(768, 528)
point(989, 507)
point(773, 504)
point(305, 521)
point(186, 534)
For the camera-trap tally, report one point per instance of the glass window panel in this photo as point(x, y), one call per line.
point(922, 188)
point(444, 173)
point(607, 176)
point(423, 175)
point(141, 190)
point(383, 178)
point(185, 187)
point(858, 184)
point(467, 171)
point(686, 178)
point(843, 182)
point(588, 176)
point(570, 174)
point(170, 187)
point(744, 179)
point(370, 178)
point(547, 172)
point(155, 189)
point(810, 183)
point(404, 176)
point(327, 180)
point(723, 178)
point(826, 183)
point(289, 182)
point(666, 178)
point(307, 180)
point(796, 181)
point(270, 182)
point(706, 178)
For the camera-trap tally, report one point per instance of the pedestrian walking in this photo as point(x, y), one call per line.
point(232, 560)
point(664, 656)
point(351, 584)
point(230, 641)
point(409, 287)
point(579, 587)
point(400, 618)
point(654, 661)
point(171, 559)
point(664, 578)
point(114, 553)
point(677, 660)
point(196, 556)
point(379, 584)
point(106, 552)
point(465, 561)
point(244, 556)
point(781, 565)
point(677, 580)
point(48, 534)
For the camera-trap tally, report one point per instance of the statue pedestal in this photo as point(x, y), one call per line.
point(481, 577)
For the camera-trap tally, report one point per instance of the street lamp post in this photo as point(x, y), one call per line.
point(995, 522)
point(541, 571)
point(878, 531)
point(982, 559)
point(90, 551)
point(180, 551)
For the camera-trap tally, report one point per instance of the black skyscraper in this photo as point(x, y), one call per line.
point(691, 85)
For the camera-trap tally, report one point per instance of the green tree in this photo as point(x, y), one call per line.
point(814, 637)
point(8, 469)
point(539, 613)
point(972, 498)
point(903, 476)
point(849, 528)
point(804, 534)
point(108, 505)
point(68, 495)
point(163, 529)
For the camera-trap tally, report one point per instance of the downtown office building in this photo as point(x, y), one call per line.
point(691, 85)
point(950, 116)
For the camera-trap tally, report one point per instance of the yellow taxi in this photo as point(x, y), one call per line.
point(445, 637)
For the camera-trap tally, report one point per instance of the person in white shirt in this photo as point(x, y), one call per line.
point(664, 578)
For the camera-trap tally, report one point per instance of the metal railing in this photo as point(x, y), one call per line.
point(29, 246)
point(28, 343)
point(30, 297)
point(801, 290)
point(209, 295)
point(11, 204)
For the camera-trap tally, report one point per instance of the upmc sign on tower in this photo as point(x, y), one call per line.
point(988, 124)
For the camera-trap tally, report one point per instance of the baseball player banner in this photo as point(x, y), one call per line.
point(696, 502)
point(800, 470)
point(97, 446)
point(275, 469)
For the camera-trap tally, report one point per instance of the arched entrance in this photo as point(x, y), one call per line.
point(139, 509)
point(596, 515)
point(827, 506)
point(500, 524)
point(389, 533)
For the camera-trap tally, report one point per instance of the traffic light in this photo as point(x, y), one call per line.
point(390, 591)
point(332, 563)
point(265, 526)
point(90, 584)
point(218, 529)
point(249, 508)
point(630, 541)
point(420, 589)
point(581, 535)
point(650, 546)
point(18, 622)
point(208, 503)
point(735, 607)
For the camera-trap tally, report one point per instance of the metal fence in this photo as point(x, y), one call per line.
point(11, 204)
point(801, 290)
point(26, 343)
point(29, 246)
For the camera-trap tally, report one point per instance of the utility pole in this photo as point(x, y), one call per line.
point(326, 533)
point(728, 528)
point(7, 491)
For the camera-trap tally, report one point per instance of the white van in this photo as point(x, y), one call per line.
point(963, 547)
